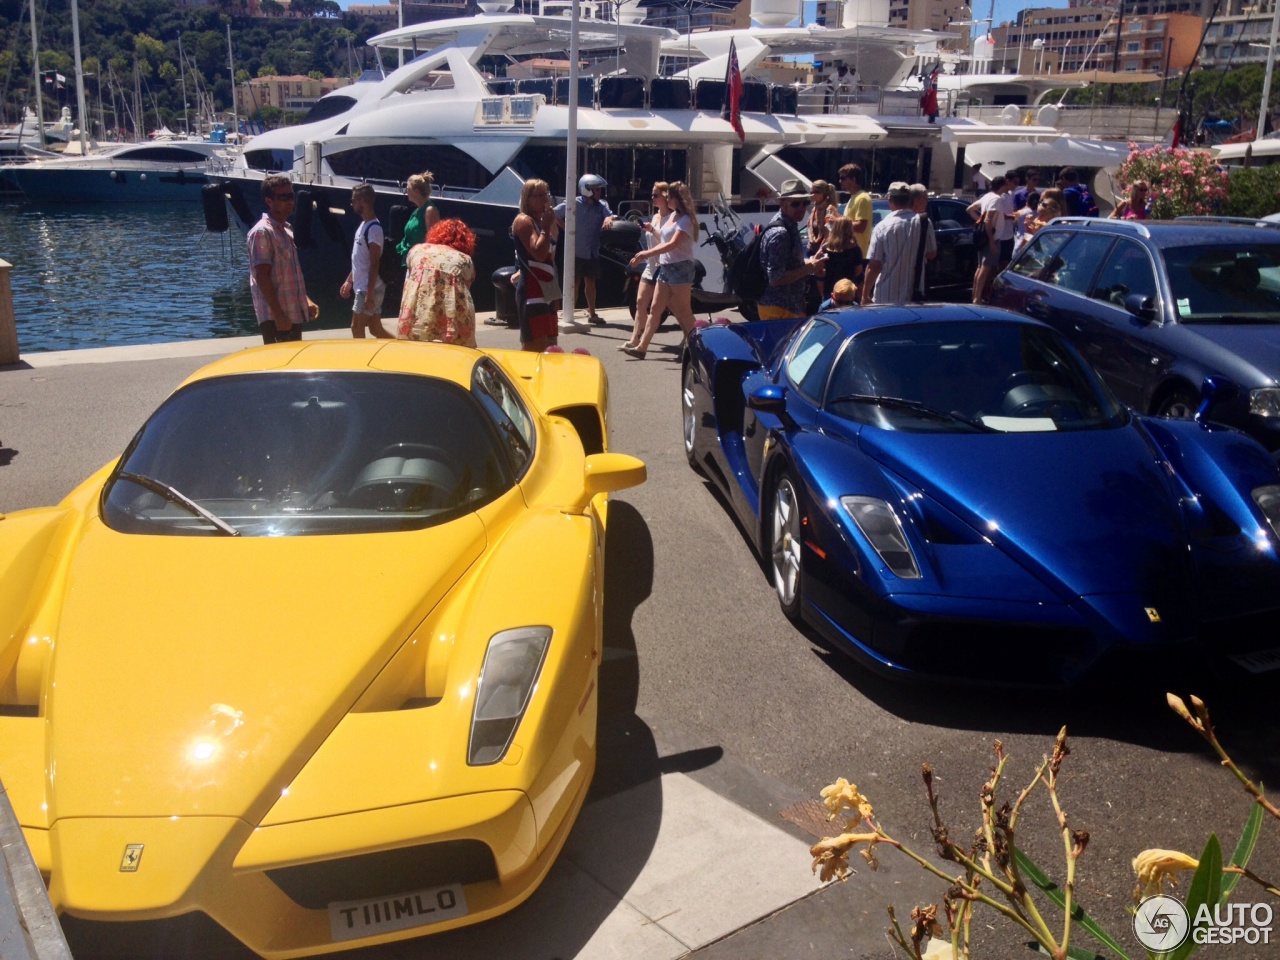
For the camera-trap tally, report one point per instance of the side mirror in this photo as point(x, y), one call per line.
point(607, 472)
point(1142, 307)
point(769, 398)
point(1214, 390)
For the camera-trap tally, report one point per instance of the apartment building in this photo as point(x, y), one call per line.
point(1240, 35)
point(1096, 38)
point(293, 94)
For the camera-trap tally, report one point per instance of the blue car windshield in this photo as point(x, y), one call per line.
point(983, 376)
point(1238, 283)
point(299, 453)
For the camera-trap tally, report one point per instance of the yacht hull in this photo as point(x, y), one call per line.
point(44, 185)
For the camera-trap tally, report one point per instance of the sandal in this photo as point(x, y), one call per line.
point(628, 345)
point(633, 352)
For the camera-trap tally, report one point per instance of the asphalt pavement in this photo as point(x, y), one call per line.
point(721, 722)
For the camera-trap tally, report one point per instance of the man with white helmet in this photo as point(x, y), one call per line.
point(592, 216)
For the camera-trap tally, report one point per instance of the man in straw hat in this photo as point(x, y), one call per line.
point(782, 256)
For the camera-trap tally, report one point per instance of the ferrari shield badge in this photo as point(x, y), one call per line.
point(1152, 614)
point(132, 857)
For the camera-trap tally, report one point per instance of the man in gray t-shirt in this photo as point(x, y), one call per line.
point(592, 216)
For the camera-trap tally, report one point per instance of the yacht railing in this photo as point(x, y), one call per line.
point(868, 100)
point(1096, 121)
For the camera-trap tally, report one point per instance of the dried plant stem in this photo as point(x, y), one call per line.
point(1072, 854)
point(1039, 930)
point(1266, 885)
point(1203, 726)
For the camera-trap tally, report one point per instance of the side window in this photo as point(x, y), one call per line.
point(1076, 264)
point(1128, 270)
point(948, 213)
point(1040, 258)
point(503, 406)
point(812, 358)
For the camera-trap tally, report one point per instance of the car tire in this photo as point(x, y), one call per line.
point(689, 418)
point(1180, 403)
point(785, 547)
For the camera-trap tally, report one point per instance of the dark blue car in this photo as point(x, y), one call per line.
point(952, 490)
point(1156, 307)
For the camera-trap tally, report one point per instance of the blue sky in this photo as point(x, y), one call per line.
point(1005, 9)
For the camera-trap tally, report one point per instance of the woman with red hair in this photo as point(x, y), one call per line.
point(437, 304)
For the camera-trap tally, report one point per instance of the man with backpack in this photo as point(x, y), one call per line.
point(1080, 202)
point(782, 259)
point(363, 282)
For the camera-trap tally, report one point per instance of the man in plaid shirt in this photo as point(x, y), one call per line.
point(280, 299)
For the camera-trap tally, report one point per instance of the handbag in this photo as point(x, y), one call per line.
point(980, 237)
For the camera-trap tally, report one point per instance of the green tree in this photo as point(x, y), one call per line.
point(148, 47)
point(168, 72)
point(266, 70)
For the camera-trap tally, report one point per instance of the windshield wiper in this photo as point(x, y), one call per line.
point(180, 498)
point(916, 407)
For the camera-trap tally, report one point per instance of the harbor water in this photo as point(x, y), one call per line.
point(96, 275)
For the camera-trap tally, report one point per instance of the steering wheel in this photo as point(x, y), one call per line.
point(384, 483)
point(414, 451)
point(1021, 377)
point(398, 494)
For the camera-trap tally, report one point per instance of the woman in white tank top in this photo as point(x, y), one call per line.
point(649, 279)
point(676, 266)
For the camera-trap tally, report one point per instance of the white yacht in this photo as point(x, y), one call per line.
point(171, 169)
point(649, 108)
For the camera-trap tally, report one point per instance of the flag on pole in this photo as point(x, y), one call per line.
point(731, 109)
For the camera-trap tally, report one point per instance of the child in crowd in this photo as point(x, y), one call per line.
point(844, 294)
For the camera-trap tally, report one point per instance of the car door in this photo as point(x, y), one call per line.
point(804, 374)
point(1061, 276)
point(1124, 346)
point(952, 271)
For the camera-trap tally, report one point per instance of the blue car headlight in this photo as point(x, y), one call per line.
point(510, 672)
point(879, 524)
point(1265, 401)
point(1268, 500)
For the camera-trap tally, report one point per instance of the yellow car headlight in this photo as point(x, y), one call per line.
point(507, 678)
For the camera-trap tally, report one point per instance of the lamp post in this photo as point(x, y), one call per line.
point(1037, 54)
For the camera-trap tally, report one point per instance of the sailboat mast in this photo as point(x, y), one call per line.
point(182, 63)
point(83, 115)
point(35, 66)
point(231, 66)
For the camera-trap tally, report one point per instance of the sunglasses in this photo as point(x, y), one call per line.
point(796, 203)
point(282, 196)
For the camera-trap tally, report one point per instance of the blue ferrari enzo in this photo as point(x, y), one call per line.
point(951, 490)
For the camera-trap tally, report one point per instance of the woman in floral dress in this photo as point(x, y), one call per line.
point(437, 304)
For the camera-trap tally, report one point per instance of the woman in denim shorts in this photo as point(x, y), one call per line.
point(649, 279)
point(676, 265)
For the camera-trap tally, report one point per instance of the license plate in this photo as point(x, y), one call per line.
point(1260, 661)
point(366, 918)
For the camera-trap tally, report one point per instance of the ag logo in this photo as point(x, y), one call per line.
point(132, 857)
point(1161, 923)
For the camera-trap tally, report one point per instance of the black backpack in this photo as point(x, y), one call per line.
point(389, 268)
point(746, 278)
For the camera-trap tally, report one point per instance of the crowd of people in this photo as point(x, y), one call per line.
point(842, 257)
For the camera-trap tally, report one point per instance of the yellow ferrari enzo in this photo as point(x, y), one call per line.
point(315, 660)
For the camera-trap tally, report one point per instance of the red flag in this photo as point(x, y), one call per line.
point(731, 109)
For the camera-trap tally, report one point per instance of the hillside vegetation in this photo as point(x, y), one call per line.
point(117, 36)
